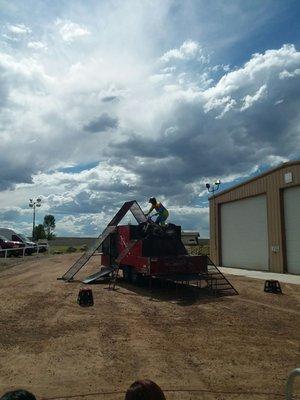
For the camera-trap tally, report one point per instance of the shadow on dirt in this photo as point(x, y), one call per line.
point(161, 290)
point(167, 291)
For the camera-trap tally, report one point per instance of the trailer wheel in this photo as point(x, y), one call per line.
point(136, 278)
point(127, 274)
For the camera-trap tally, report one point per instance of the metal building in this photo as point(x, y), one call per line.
point(190, 238)
point(256, 224)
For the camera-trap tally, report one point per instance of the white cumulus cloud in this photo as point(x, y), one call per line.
point(36, 45)
point(250, 100)
point(69, 31)
point(286, 74)
point(18, 29)
point(128, 114)
point(187, 51)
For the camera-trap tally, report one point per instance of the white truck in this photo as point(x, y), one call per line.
point(30, 247)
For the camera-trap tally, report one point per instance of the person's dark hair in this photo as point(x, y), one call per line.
point(144, 390)
point(18, 395)
point(152, 200)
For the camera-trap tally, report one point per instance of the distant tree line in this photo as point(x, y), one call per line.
point(46, 229)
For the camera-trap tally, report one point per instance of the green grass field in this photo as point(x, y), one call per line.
point(63, 249)
point(194, 250)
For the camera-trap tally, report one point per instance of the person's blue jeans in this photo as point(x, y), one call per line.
point(161, 219)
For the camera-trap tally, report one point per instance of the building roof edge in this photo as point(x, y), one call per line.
point(254, 178)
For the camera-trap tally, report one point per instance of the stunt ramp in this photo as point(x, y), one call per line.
point(104, 273)
point(138, 214)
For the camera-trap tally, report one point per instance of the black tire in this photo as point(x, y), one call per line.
point(131, 276)
point(136, 278)
point(127, 274)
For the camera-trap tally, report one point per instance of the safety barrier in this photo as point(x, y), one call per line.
point(36, 249)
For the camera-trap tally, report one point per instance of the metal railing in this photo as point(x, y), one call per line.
point(36, 249)
point(290, 383)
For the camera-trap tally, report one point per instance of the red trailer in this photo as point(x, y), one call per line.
point(149, 250)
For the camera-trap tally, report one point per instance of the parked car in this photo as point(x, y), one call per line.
point(30, 247)
point(11, 244)
point(41, 247)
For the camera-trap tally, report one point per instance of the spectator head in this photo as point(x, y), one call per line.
point(144, 390)
point(18, 395)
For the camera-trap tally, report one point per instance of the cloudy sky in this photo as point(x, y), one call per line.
point(106, 101)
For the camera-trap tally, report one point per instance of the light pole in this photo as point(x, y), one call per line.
point(212, 189)
point(33, 204)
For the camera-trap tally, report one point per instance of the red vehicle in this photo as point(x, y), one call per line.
point(149, 250)
point(6, 244)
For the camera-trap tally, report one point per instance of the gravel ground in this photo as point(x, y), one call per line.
point(193, 345)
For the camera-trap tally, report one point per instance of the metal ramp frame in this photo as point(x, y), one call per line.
point(217, 282)
point(102, 274)
point(138, 214)
point(125, 251)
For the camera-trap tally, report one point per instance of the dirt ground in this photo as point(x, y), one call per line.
point(194, 346)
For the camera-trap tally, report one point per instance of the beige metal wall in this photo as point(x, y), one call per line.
point(271, 184)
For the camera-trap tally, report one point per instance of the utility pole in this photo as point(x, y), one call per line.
point(33, 204)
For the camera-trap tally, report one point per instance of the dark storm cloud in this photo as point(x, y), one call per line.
point(11, 174)
point(12, 214)
point(101, 124)
point(4, 87)
point(183, 134)
point(203, 145)
point(181, 119)
point(109, 99)
point(89, 201)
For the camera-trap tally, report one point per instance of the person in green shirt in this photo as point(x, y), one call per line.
point(161, 211)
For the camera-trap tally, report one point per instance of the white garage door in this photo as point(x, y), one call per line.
point(292, 228)
point(244, 234)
